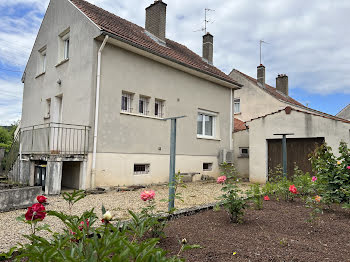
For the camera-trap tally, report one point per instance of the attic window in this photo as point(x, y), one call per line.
point(64, 45)
point(237, 105)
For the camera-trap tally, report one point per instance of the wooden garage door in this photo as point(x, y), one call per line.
point(298, 150)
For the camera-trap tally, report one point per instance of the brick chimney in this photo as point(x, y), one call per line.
point(261, 75)
point(208, 46)
point(282, 84)
point(156, 19)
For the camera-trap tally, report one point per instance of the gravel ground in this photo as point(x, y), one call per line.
point(118, 203)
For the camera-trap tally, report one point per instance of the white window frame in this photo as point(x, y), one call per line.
point(210, 166)
point(43, 60)
point(129, 99)
point(237, 101)
point(66, 46)
point(160, 108)
point(145, 101)
point(147, 169)
point(241, 154)
point(214, 117)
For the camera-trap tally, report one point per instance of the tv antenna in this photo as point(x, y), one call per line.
point(206, 20)
point(261, 42)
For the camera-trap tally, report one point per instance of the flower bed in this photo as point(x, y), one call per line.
point(278, 232)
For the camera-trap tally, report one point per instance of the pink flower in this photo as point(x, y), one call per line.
point(147, 195)
point(83, 223)
point(266, 198)
point(348, 167)
point(221, 179)
point(293, 189)
point(314, 178)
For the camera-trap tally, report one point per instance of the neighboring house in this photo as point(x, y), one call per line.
point(263, 111)
point(97, 89)
point(344, 113)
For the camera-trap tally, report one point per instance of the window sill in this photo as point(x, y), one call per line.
point(208, 138)
point(39, 75)
point(239, 113)
point(62, 62)
point(139, 115)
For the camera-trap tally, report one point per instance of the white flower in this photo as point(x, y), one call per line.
point(107, 216)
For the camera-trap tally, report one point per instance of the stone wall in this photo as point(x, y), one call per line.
point(18, 198)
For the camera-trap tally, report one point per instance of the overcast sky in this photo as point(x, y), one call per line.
point(308, 40)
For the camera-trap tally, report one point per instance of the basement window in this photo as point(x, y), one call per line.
point(140, 169)
point(244, 151)
point(207, 166)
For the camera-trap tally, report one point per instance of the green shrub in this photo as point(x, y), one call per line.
point(255, 194)
point(333, 176)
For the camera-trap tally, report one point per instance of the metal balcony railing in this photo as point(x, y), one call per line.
point(55, 139)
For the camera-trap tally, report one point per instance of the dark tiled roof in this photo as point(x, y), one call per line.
point(273, 91)
point(239, 125)
point(288, 109)
point(136, 35)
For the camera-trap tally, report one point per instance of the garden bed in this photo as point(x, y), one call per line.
point(279, 232)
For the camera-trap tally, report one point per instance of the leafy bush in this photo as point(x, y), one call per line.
point(255, 194)
point(333, 175)
point(83, 240)
point(232, 198)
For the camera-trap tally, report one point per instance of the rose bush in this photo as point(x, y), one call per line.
point(35, 212)
point(41, 199)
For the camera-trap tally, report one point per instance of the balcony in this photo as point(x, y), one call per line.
point(55, 139)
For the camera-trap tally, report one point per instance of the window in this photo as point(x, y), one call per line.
point(42, 66)
point(143, 105)
point(64, 45)
point(126, 102)
point(207, 166)
point(47, 108)
point(237, 106)
point(206, 125)
point(140, 169)
point(244, 151)
point(158, 108)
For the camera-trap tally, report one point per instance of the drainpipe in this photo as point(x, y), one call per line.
point(93, 171)
point(231, 120)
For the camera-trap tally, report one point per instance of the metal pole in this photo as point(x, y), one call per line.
point(172, 165)
point(284, 155)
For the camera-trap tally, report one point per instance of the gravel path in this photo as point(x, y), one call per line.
point(118, 203)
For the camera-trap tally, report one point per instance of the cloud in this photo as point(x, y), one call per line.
point(308, 40)
point(10, 101)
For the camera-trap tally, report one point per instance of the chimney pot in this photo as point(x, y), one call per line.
point(156, 19)
point(208, 47)
point(282, 84)
point(261, 75)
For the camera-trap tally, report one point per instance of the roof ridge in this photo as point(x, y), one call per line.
point(292, 99)
point(300, 111)
point(134, 34)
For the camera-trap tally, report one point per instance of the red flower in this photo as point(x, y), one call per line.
point(41, 199)
point(82, 223)
point(266, 198)
point(293, 189)
point(36, 211)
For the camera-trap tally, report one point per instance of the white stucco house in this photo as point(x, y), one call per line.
point(262, 111)
point(344, 113)
point(97, 89)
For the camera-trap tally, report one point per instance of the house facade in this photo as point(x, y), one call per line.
point(345, 112)
point(97, 92)
point(263, 113)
